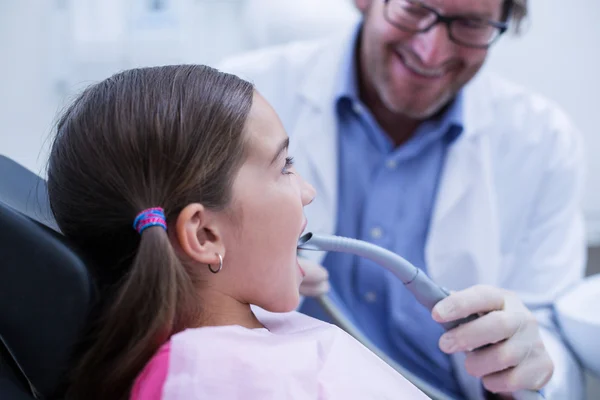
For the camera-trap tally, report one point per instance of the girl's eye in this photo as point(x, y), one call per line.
point(289, 161)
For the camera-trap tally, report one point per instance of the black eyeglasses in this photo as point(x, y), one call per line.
point(415, 17)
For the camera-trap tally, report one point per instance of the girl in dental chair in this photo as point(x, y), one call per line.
point(176, 181)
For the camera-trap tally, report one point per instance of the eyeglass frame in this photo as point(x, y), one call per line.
point(449, 19)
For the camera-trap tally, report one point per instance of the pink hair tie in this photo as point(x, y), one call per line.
point(150, 217)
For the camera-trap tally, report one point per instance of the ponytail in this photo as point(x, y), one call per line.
point(153, 301)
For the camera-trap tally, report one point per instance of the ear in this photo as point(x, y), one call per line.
point(198, 234)
point(363, 5)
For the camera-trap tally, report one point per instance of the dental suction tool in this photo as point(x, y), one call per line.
point(427, 292)
point(418, 283)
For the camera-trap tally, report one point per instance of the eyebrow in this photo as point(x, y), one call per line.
point(282, 147)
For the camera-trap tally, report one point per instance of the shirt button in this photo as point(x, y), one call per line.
point(371, 297)
point(357, 108)
point(376, 233)
point(391, 164)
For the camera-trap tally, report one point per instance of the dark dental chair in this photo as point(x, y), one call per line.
point(46, 292)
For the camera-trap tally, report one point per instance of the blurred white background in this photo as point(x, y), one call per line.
point(51, 49)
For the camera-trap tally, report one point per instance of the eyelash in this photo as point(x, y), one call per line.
point(289, 161)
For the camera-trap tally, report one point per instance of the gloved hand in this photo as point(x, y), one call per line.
point(316, 280)
point(515, 358)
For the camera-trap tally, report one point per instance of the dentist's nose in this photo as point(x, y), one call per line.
point(434, 47)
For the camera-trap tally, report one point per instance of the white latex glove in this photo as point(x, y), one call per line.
point(316, 280)
point(515, 359)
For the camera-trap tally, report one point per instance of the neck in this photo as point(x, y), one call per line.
point(220, 309)
point(399, 128)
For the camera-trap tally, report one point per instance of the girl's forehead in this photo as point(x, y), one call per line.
point(263, 127)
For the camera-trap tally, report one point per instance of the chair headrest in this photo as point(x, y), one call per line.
point(25, 192)
point(46, 291)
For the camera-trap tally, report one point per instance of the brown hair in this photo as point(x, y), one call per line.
point(152, 137)
point(515, 11)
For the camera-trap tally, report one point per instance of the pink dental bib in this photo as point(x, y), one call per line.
point(296, 357)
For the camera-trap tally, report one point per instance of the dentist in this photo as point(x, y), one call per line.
point(413, 146)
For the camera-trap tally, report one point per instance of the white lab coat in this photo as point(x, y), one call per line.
point(508, 209)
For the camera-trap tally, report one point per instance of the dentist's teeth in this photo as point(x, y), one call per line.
point(430, 73)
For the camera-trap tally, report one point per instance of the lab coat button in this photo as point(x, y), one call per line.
point(391, 164)
point(376, 233)
point(357, 108)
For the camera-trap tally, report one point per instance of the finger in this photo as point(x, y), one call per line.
point(495, 358)
point(474, 300)
point(315, 273)
point(532, 375)
point(489, 329)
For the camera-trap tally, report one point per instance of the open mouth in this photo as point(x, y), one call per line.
point(302, 272)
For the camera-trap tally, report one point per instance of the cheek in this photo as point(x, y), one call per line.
point(476, 61)
point(472, 63)
point(265, 251)
point(279, 219)
point(471, 57)
point(275, 212)
point(379, 45)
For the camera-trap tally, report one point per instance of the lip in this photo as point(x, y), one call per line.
point(303, 227)
point(425, 74)
point(301, 270)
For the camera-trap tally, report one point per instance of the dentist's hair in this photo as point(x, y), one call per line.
point(515, 11)
point(152, 137)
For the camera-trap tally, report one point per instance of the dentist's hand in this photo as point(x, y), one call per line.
point(316, 281)
point(515, 358)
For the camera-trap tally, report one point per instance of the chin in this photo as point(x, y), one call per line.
point(423, 112)
point(284, 304)
point(423, 109)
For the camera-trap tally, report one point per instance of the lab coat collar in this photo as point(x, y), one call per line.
point(321, 80)
point(478, 114)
